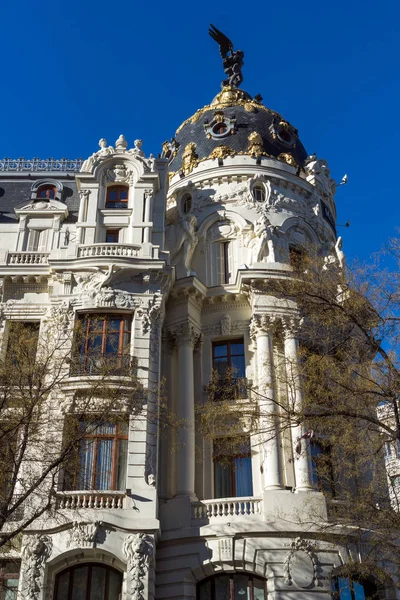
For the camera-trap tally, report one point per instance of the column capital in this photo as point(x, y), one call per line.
point(291, 326)
point(184, 333)
point(262, 324)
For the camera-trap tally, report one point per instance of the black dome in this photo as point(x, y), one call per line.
point(224, 127)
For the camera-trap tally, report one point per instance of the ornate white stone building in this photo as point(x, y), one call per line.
point(175, 251)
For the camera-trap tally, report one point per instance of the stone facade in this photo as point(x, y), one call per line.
point(186, 265)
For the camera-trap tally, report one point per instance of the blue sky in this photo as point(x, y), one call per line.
point(74, 72)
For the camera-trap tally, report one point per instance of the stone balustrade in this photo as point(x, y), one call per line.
point(33, 165)
point(28, 258)
point(100, 250)
point(92, 500)
point(220, 509)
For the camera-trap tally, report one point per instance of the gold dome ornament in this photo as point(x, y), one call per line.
point(222, 152)
point(189, 158)
point(256, 147)
point(288, 159)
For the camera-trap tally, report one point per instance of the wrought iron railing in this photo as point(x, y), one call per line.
point(102, 364)
point(65, 165)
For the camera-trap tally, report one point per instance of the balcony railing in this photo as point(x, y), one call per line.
point(230, 388)
point(228, 507)
point(40, 165)
point(119, 250)
point(28, 258)
point(105, 365)
point(92, 500)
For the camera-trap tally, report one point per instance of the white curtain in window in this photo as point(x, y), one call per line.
point(104, 465)
point(37, 240)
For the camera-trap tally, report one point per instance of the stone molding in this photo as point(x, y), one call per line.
point(303, 575)
point(83, 535)
point(138, 549)
point(35, 553)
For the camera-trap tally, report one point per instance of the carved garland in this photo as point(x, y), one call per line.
point(138, 550)
point(301, 545)
point(35, 553)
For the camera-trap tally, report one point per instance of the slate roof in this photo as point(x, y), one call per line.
point(15, 192)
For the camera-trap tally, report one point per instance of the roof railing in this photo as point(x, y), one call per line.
point(40, 165)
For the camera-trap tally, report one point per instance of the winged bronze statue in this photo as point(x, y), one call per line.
point(232, 60)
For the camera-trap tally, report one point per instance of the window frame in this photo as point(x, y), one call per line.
point(213, 578)
point(259, 190)
point(89, 579)
point(6, 574)
point(113, 232)
point(229, 461)
point(121, 202)
point(71, 477)
point(235, 382)
point(47, 188)
point(86, 356)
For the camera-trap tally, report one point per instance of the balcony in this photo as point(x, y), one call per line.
point(27, 258)
point(105, 250)
point(108, 365)
point(229, 389)
point(227, 509)
point(90, 500)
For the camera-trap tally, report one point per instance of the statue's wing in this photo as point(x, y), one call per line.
point(225, 44)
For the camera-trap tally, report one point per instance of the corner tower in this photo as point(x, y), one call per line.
point(245, 201)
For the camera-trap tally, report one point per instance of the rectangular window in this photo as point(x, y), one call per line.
point(322, 468)
point(117, 196)
point(22, 343)
point(99, 462)
point(102, 344)
point(112, 236)
point(224, 262)
point(232, 468)
point(37, 240)
point(9, 576)
point(229, 368)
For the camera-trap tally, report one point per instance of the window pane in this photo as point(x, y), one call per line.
point(359, 593)
point(259, 589)
point(222, 588)
point(63, 585)
point(112, 343)
point(243, 478)
point(237, 366)
point(221, 366)
point(241, 587)
point(80, 577)
point(344, 588)
point(222, 480)
point(114, 586)
point(221, 350)
point(105, 428)
point(237, 348)
point(98, 583)
point(9, 591)
point(112, 194)
point(121, 464)
point(123, 194)
point(114, 324)
point(86, 455)
point(205, 591)
point(104, 465)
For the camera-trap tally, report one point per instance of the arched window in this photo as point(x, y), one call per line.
point(117, 196)
point(354, 588)
point(46, 191)
point(232, 587)
point(87, 581)
point(259, 192)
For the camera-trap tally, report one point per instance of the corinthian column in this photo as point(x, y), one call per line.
point(302, 461)
point(185, 337)
point(261, 330)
